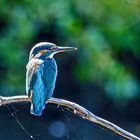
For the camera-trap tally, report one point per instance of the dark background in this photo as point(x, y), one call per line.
point(102, 76)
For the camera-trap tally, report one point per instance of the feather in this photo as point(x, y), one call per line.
point(40, 80)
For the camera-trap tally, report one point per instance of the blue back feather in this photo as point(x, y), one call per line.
point(40, 79)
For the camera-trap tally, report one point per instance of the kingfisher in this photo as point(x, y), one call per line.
point(41, 74)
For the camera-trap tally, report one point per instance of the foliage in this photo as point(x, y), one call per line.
point(106, 33)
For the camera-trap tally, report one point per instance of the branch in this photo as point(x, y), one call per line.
point(77, 109)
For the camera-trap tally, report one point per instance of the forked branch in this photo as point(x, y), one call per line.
point(77, 109)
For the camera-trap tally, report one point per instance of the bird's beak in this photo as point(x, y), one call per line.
point(64, 49)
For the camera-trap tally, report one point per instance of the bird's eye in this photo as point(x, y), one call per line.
point(53, 47)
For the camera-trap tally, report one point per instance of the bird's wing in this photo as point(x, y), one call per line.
point(35, 86)
point(32, 68)
point(40, 83)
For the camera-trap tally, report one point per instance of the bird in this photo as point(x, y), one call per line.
point(41, 74)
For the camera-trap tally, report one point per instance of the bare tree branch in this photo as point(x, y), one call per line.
point(77, 109)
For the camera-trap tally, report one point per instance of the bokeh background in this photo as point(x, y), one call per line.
point(103, 75)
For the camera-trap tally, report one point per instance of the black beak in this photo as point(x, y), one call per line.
point(64, 49)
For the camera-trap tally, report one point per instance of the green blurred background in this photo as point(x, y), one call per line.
point(103, 75)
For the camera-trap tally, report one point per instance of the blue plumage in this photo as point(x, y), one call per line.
point(41, 74)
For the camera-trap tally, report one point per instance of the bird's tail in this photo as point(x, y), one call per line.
point(38, 102)
point(36, 110)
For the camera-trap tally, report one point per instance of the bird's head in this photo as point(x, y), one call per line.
point(46, 50)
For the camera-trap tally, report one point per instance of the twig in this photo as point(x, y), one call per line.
point(77, 109)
